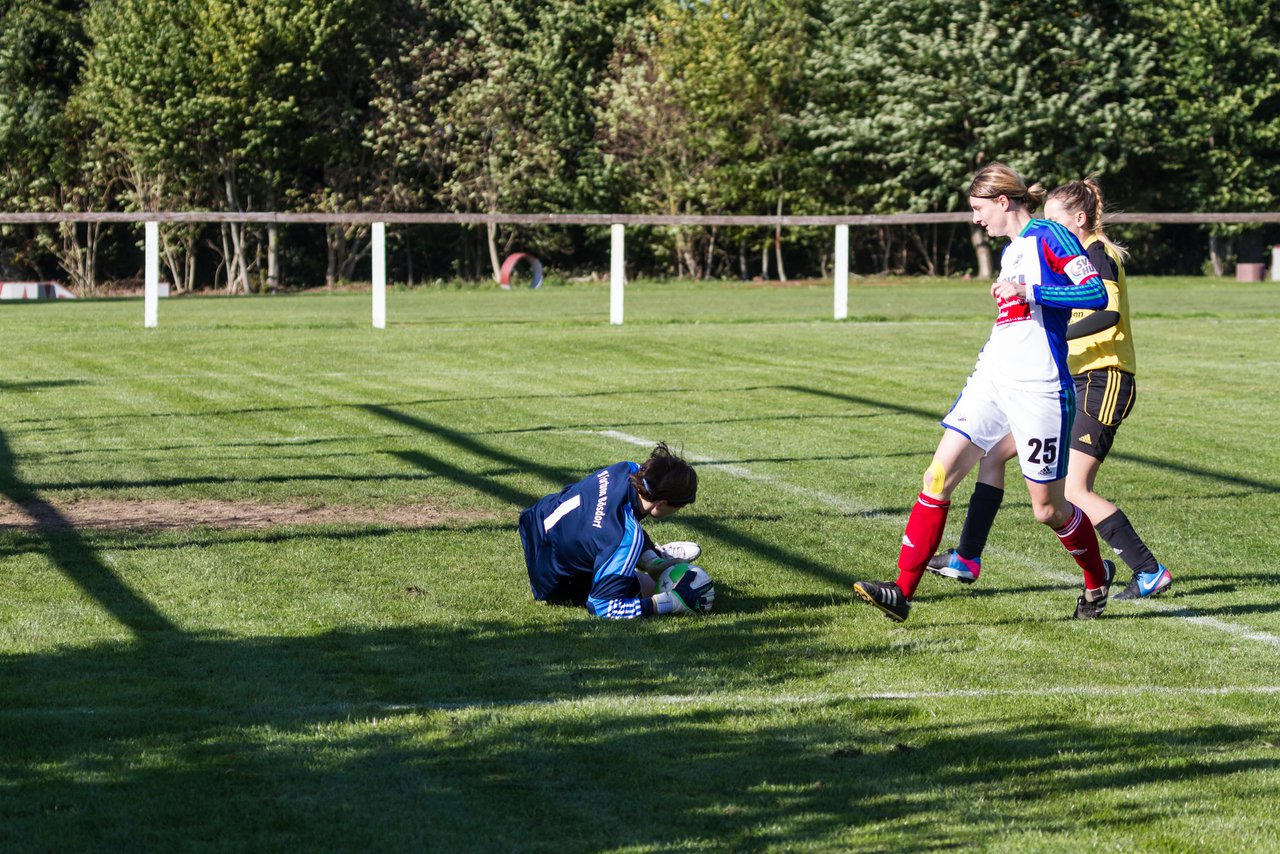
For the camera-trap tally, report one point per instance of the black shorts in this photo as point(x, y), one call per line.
point(1104, 398)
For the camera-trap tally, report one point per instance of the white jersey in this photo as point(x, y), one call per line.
point(1028, 344)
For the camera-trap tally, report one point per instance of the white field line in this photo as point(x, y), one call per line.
point(732, 700)
point(736, 700)
point(838, 502)
point(845, 505)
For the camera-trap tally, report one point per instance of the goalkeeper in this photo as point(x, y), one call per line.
point(583, 545)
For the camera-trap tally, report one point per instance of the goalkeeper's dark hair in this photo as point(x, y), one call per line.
point(666, 477)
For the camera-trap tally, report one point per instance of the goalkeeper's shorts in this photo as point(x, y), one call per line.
point(547, 580)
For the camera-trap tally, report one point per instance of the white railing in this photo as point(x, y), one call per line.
point(617, 224)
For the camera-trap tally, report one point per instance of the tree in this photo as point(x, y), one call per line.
point(233, 105)
point(910, 98)
point(46, 160)
point(484, 111)
point(695, 113)
point(1218, 89)
point(654, 146)
point(741, 66)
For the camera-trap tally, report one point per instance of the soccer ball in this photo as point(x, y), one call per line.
point(691, 579)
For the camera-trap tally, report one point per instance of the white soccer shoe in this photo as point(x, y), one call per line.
point(669, 555)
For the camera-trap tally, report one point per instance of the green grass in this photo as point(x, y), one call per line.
point(391, 685)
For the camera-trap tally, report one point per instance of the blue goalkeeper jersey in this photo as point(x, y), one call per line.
point(582, 544)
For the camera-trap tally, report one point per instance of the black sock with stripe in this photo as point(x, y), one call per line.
point(1117, 531)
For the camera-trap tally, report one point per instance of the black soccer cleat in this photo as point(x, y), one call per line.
point(885, 595)
point(1093, 601)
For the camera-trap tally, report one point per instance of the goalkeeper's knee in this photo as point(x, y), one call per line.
point(647, 584)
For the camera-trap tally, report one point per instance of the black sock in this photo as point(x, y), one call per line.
point(978, 520)
point(1117, 531)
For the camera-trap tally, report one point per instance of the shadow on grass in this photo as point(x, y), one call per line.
point(564, 736)
point(537, 733)
point(948, 589)
point(256, 446)
point(710, 531)
point(24, 491)
point(1152, 462)
point(75, 558)
point(686, 422)
point(1197, 471)
point(98, 421)
point(1241, 610)
point(39, 385)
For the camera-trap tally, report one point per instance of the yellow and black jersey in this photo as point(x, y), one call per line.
point(1111, 347)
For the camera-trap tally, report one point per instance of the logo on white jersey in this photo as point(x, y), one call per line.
point(1079, 268)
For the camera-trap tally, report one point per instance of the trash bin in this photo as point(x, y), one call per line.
point(1249, 272)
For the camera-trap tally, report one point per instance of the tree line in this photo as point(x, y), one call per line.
point(619, 106)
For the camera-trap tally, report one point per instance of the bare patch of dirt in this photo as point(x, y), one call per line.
point(170, 515)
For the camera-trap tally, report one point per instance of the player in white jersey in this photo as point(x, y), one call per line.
point(1103, 364)
point(1020, 386)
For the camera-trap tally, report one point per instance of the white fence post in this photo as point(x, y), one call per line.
point(151, 276)
point(617, 273)
point(842, 272)
point(379, 252)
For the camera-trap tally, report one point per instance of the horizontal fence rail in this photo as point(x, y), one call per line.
point(360, 217)
point(617, 223)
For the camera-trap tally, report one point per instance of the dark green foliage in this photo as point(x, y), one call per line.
point(631, 106)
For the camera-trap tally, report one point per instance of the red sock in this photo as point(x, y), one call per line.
point(924, 531)
point(1079, 538)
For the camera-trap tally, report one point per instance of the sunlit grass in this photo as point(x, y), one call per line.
point(391, 685)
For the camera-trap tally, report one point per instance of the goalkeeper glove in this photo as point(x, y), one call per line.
point(691, 593)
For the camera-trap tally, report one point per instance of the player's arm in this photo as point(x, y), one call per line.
point(615, 591)
point(1096, 321)
point(613, 600)
point(628, 607)
point(1092, 323)
point(1078, 283)
point(624, 607)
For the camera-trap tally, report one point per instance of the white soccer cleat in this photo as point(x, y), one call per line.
point(664, 557)
point(683, 551)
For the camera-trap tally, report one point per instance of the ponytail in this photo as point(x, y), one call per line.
point(1085, 197)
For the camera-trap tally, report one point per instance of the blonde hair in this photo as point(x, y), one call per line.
point(1086, 197)
point(996, 179)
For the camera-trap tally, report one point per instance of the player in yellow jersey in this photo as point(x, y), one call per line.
point(1102, 363)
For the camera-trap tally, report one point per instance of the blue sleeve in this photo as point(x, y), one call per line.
point(615, 591)
point(1070, 279)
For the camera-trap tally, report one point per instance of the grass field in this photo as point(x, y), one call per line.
point(381, 679)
